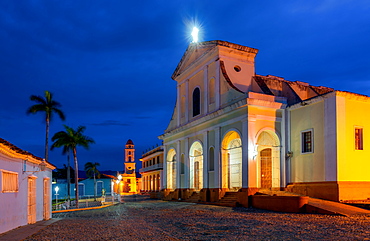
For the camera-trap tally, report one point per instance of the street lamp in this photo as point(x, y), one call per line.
point(56, 195)
point(118, 181)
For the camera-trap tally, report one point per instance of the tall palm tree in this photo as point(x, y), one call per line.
point(66, 150)
point(72, 138)
point(49, 106)
point(91, 169)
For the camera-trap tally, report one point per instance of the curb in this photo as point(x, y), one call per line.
point(83, 209)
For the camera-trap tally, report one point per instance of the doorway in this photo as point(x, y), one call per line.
point(266, 168)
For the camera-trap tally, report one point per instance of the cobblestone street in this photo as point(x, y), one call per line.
point(159, 220)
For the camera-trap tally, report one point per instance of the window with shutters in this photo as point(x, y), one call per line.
point(9, 181)
point(307, 141)
point(359, 145)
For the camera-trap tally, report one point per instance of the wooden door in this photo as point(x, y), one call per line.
point(266, 168)
point(31, 200)
point(46, 199)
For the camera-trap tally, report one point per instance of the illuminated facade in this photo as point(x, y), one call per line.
point(25, 187)
point(235, 131)
point(152, 170)
point(127, 182)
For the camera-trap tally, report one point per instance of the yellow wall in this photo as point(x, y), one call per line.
point(353, 111)
point(308, 167)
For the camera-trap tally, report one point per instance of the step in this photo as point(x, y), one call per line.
point(316, 205)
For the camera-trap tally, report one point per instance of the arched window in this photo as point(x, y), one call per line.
point(196, 102)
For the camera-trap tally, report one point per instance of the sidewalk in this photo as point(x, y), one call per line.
point(23, 232)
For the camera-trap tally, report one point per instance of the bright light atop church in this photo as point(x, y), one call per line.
point(194, 34)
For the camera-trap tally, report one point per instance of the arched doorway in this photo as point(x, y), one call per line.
point(232, 161)
point(268, 149)
point(171, 169)
point(196, 166)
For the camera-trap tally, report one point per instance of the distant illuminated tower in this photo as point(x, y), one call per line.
point(129, 157)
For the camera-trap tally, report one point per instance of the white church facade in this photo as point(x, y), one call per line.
point(235, 131)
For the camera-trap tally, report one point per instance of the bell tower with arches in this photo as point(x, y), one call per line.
point(129, 163)
point(127, 183)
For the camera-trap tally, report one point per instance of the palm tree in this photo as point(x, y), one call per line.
point(91, 169)
point(71, 138)
point(49, 106)
point(66, 150)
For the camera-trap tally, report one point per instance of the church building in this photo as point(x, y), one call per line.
point(127, 182)
point(235, 131)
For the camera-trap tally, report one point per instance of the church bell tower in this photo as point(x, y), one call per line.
point(129, 163)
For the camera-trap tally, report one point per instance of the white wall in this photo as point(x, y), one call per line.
point(13, 206)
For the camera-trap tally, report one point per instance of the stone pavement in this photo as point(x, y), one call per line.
point(160, 220)
point(23, 232)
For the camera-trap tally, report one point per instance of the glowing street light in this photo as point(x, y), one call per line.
point(194, 34)
point(56, 195)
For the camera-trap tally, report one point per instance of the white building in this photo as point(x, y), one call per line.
point(25, 187)
point(234, 132)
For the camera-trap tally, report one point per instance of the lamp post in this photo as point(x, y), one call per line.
point(119, 185)
point(56, 195)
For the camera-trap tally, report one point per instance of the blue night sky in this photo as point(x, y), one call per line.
point(109, 63)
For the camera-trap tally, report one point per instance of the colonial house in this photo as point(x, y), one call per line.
point(152, 171)
point(25, 182)
point(235, 131)
point(86, 187)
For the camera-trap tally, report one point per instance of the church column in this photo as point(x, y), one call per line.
point(283, 151)
point(187, 99)
point(205, 91)
point(178, 104)
point(245, 154)
point(187, 163)
point(218, 162)
point(205, 159)
point(217, 85)
point(178, 159)
point(252, 153)
point(164, 174)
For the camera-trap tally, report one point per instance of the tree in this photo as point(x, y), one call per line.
point(66, 150)
point(49, 106)
point(92, 170)
point(62, 173)
point(70, 139)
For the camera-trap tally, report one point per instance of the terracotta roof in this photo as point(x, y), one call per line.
point(294, 91)
point(18, 150)
point(129, 142)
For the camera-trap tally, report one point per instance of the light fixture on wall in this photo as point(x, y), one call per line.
point(255, 151)
point(42, 166)
point(289, 154)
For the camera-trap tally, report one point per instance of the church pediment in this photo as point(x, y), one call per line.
point(194, 52)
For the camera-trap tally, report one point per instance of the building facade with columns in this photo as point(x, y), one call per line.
point(235, 131)
point(152, 171)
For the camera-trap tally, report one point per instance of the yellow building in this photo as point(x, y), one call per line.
point(127, 182)
point(152, 171)
point(233, 131)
